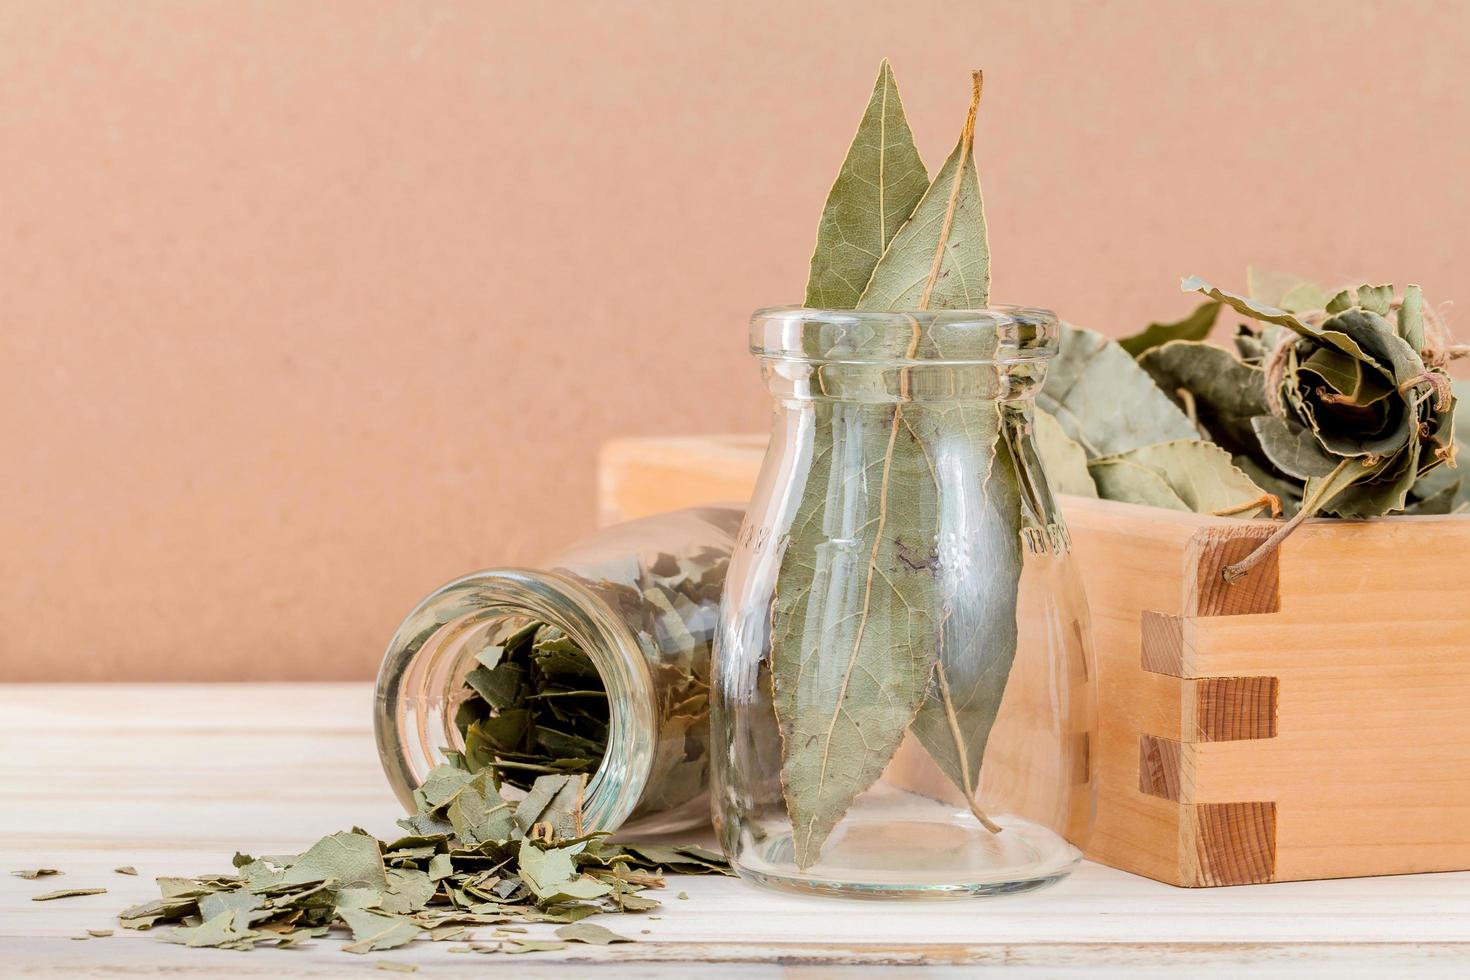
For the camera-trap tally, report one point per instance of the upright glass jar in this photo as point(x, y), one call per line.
point(641, 599)
point(903, 689)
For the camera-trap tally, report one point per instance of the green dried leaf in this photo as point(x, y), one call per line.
point(395, 967)
point(441, 785)
point(840, 727)
point(217, 931)
point(67, 893)
point(1065, 461)
point(1251, 307)
point(1292, 448)
point(1340, 301)
point(1376, 299)
point(1225, 395)
point(534, 946)
point(373, 931)
point(590, 933)
point(408, 891)
point(554, 800)
point(126, 869)
point(977, 641)
point(145, 915)
point(351, 860)
point(1411, 318)
point(875, 645)
point(545, 869)
point(478, 814)
point(876, 190)
point(1103, 400)
point(441, 866)
point(1120, 479)
point(34, 873)
point(245, 908)
point(940, 258)
point(1196, 326)
point(1200, 475)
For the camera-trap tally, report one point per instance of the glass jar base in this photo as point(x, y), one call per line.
point(952, 858)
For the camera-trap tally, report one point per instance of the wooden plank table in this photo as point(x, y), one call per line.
point(173, 779)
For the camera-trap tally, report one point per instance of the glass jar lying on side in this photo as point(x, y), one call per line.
point(597, 667)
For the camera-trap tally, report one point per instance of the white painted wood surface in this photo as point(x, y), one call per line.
point(174, 779)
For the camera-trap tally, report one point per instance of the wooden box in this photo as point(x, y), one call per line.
point(1309, 721)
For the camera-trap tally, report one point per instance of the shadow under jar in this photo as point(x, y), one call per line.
point(629, 614)
point(904, 691)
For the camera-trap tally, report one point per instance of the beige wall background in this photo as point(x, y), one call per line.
point(308, 307)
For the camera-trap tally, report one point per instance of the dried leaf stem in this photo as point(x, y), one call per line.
point(1310, 507)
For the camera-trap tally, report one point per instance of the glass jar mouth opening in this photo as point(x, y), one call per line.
point(421, 682)
point(993, 335)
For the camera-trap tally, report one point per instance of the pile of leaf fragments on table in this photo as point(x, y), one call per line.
point(470, 860)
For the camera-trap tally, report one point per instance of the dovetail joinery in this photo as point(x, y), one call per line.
point(1232, 843)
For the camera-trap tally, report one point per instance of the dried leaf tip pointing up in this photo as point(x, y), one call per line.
point(977, 86)
point(966, 150)
point(940, 258)
point(881, 181)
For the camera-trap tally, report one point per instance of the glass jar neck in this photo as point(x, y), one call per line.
point(421, 682)
point(921, 385)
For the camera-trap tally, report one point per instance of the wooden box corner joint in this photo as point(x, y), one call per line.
point(1225, 843)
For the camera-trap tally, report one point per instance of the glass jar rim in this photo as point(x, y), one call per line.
point(993, 335)
point(407, 681)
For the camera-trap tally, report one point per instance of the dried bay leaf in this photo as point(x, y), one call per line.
point(1200, 475)
point(373, 931)
point(1411, 317)
point(591, 933)
point(1196, 326)
point(1103, 400)
point(940, 258)
point(1376, 299)
point(67, 893)
point(533, 946)
point(1065, 461)
point(1288, 491)
point(217, 931)
point(1224, 393)
point(554, 800)
point(441, 785)
point(246, 908)
point(409, 890)
point(1292, 448)
point(851, 666)
point(978, 635)
point(34, 873)
point(351, 860)
point(1121, 479)
point(477, 813)
point(881, 181)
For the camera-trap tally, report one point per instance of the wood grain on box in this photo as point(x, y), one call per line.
point(1309, 721)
